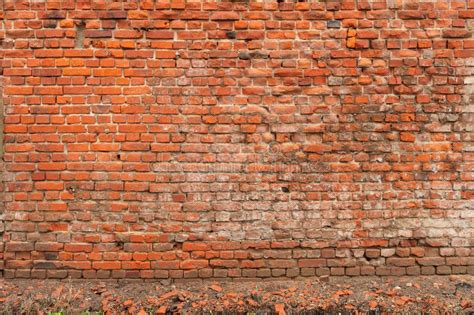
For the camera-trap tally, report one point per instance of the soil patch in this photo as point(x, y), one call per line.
point(433, 294)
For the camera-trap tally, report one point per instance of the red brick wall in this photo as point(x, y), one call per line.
point(196, 140)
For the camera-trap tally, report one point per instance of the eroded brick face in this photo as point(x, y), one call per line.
point(177, 140)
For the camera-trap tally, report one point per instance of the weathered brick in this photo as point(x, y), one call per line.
point(402, 262)
point(431, 261)
point(456, 33)
point(305, 263)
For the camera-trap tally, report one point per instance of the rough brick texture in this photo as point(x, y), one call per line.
point(147, 139)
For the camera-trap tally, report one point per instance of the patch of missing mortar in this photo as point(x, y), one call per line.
point(466, 121)
point(231, 35)
point(79, 35)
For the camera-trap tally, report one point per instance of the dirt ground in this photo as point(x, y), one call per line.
point(433, 294)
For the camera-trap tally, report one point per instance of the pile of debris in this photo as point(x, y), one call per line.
point(434, 294)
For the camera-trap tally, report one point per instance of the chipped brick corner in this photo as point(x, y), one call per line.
point(149, 139)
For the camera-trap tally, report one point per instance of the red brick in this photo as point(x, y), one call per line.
point(401, 262)
point(49, 90)
point(77, 72)
point(456, 33)
point(431, 261)
point(18, 90)
point(46, 72)
point(106, 265)
point(305, 263)
point(107, 72)
point(412, 15)
point(98, 33)
point(135, 265)
point(156, 34)
point(49, 185)
point(70, 247)
point(225, 16)
point(194, 264)
point(16, 72)
point(19, 246)
point(187, 246)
